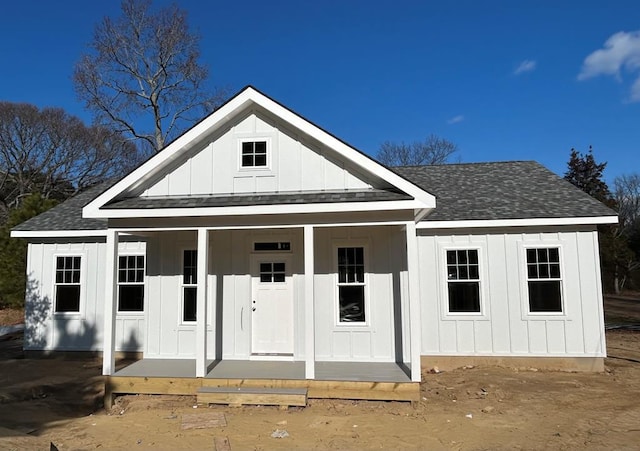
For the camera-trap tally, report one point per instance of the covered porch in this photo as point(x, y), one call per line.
point(374, 357)
point(337, 380)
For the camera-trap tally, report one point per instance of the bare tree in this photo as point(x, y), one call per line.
point(433, 150)
point(627, 196)
point(142, 76)
point(53, 153)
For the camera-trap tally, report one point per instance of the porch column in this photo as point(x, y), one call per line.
point(309, 337)
point(201, 302)
point(413, 274)
point(110, 297)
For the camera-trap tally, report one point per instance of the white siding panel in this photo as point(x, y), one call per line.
point(376, 340)
point(201, 179)
point(295, 165)
point(483, 340)
point(518, 330)
point(537, 337)
point(508, 328)
point(341, 346)
point(556, 337)
point(465, 336)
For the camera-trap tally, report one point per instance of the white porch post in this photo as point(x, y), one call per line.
point(110, 291)
point(413, 273)
point(309, 337)
point(201, 303)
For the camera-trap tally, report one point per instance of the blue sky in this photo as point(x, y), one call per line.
point(504, 80)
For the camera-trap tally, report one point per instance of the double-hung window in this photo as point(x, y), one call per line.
point(189, 285)
point(463, 281)
point(131, 283)
point(254, 154)
point(544, 280)
point(351, 285)
point(67, 284)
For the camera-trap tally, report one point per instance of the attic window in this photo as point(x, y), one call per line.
point(254, 154)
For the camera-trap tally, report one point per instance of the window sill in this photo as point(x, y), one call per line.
point(62, 315)
point(353, 326)
point(128, 313)
point(465, 316)
point(542, 316)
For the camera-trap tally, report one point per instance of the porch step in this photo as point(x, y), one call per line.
point(253, 395)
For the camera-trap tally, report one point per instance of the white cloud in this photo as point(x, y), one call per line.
point(525, 66)
point(456, 119)
point(620, 51)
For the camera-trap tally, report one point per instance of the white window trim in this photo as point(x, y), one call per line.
point(83, 278)
point(144, 284)
point(524, 285)
point(182, 285)
point(255, 138)
point(483, 283)
point(367, 285)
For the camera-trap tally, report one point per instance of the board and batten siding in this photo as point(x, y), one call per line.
point(46, 330)
point(294, 165)
point(505, 327)
point(379, 339)
point(230, 283)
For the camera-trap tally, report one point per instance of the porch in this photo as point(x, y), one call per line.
point(338, 380)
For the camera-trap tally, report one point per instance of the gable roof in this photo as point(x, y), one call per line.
point(499, 191)
point(471, 194)
point(419, 200)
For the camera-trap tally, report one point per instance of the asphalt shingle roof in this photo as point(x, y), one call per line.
point(502, 190)
point(68, 214)
point(474, 191)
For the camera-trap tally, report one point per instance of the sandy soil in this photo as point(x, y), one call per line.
point(57, 401)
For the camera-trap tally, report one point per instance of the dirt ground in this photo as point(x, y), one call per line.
point(482, 408)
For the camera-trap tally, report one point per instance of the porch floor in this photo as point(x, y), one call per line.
point(258, 369)
point(337, 380)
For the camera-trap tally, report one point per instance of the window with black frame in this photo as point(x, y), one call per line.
point(254, 154)
point(463, 280)
point(67, 284)
point(131, 283)
point(544, 280)
point(189, 285)
point(351, 285)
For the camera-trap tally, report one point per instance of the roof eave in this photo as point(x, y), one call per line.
point(523, 222)
point(331, 207)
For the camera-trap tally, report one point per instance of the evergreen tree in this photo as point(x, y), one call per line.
point(13, 252)
point(585, 173)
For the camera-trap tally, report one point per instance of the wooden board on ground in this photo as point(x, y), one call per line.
point(203, 420)
point(221, 444)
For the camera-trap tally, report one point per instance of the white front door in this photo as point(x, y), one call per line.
point(272, 305)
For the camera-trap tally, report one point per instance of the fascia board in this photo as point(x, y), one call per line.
point(260, 209)
point(57, 233)
point(344, 150)
point(216, 119)
point(586, 220)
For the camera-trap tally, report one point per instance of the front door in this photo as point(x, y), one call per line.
point(271, 305)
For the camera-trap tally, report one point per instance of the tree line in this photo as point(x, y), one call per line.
point(619, 243)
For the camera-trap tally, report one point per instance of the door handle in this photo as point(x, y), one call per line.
point(253, 309)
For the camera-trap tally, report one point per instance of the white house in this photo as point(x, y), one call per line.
point(258, 236)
